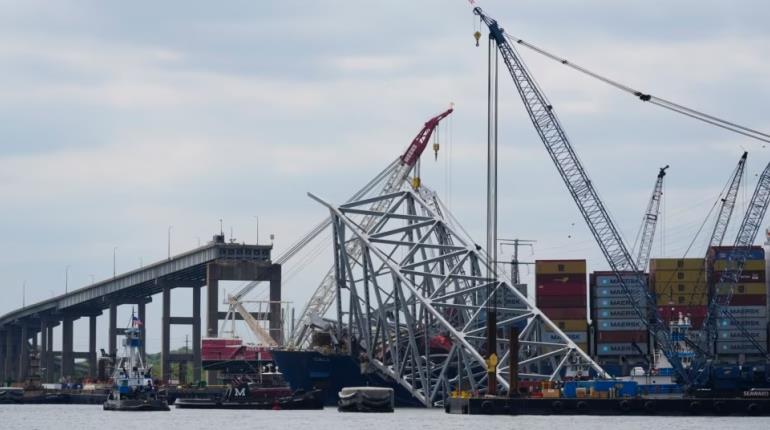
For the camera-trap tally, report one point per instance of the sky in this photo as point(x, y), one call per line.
point(120, 119)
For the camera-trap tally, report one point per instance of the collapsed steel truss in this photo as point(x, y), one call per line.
point(412, 303)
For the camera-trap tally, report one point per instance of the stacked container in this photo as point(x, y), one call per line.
point(748, 304)
point(620, 335)
point(560, 293)
point(680, 288)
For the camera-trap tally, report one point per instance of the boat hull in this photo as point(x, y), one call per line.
point(136, 405)
point(309, 400)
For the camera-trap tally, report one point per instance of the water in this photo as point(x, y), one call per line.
point(89, 417)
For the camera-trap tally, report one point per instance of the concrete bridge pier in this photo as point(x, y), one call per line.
point(3, 353)
point(11, 349)
point(182, 359)
point(67, 353)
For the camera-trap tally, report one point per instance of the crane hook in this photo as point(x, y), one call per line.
point(477, 36)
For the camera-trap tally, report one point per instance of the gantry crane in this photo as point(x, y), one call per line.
point(548, 127)
point(650, 221)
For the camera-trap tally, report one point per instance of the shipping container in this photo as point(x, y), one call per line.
point(615, 303)
point(747, 276)
point(625, 348)
point(740, 336)
point(631, 324)
point(637, 291)
point(561, 301)
point(559, 266)
point(749, 265)
point(737, 348)
point(638, 336)
point(673, 276)
point(565, 313)
point(745, 311)
point(682, 300)
point(560, 290)
point(608, 279)
point(747, 323)
point(579, 337)
point(570, 325)
point(746, 300)
point(741, 289)
point(731, 253)
point(615, 313)
point(670, 312)
point(678, 287)
point(565, 279)
point(660, 264)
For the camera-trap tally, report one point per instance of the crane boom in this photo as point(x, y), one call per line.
point(728, 204)
point(581, 188)
point(324, 295)
point(650, 221)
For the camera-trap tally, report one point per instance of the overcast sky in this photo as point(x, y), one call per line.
point(118, 119)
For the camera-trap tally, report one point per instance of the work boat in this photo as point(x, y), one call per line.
point(133, 388)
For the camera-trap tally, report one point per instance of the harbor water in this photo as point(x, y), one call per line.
point(88, 417)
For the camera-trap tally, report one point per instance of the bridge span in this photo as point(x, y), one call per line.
point(28, 331)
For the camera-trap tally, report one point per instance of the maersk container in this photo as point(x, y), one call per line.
point(740, 336)
point(626, 348)
point(612, 280)
point(747, 323)
point(745, 275)
point(620, 325)
point(732, 253)
point(636, 291)
point(615, 313)
point(616, 303)
point(745, 311)
point(622, 336)
point(738, 348)
point(579, 337)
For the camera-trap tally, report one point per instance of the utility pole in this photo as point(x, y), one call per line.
point(169, 241)
point(515, 263)
point(114, 265)
point(67, 279)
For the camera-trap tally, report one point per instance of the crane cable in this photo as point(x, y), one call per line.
point(646, 97)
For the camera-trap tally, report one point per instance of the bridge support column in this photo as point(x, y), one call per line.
point(165, 336)
point(43, 350)
point(212, 310)
point(275, 324)
point(92, 367)
point(3, 354)
point(67, 356)
point(23, 352)
point(10, 351)
point(142, 329)
point(113, 330)
point(49, 364)
point(196, 332)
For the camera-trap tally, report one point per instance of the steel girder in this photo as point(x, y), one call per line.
point(412, 299)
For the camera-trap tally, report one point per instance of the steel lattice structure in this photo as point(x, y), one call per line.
point(650, 221)
point(414, 280)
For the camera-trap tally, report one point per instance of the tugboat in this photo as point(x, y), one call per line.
point(133, 388)
point(269, 391)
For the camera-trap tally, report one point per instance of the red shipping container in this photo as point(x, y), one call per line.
point(746, 276)
point(560, 289)
point(622, 336)
point(565, 313)
point(561, 301)
point(670, 312)
point(747, 300)
point(560, 279)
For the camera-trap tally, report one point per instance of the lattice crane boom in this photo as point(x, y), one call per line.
point(650, 221)
point(581, 188)
point(728, 204)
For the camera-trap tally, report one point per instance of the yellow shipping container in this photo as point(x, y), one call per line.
point(682, 300)
point(672, 276)
point(657, 264)
point(750, 265)
point(755, 288)
point(675, 287)
point(570, 325)
point(551, 267)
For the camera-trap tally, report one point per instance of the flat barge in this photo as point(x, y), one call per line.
point(682, 406)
